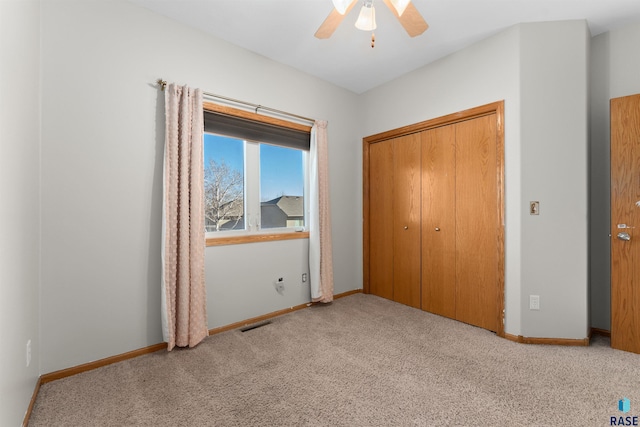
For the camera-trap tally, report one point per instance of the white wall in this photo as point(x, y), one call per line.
point(615, 67)
point(247, 291)
point(483, 73)
point(540, 71)
point(19, 204)
point(102, 166)
point(554, 107)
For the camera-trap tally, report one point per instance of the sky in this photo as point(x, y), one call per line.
point(281, 170)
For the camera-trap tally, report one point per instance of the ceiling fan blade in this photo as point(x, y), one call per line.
point(331, 23)
point(411, 19)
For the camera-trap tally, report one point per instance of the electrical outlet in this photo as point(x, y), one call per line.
point(304, 277)
point(28, 353)
point(534, 302)
point(279, 285)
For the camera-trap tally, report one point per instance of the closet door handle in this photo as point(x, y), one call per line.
point(406, 227)
point(437, 228)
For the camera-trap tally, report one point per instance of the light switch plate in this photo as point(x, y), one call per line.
point(534, 208)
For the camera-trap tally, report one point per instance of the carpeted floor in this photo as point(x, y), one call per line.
point(360, 361)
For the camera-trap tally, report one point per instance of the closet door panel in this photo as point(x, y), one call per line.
point(439, 221)
point(476, 220)
point(406, 220)
point(381, 219)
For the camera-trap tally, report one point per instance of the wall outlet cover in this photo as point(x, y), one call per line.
point(534, 302)
point(28, 353)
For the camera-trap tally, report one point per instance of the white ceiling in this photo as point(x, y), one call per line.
point(283, 30)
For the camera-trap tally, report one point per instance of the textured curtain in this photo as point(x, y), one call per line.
point(320, 253)
point(184, 313)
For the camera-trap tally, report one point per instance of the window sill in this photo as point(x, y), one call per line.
point(256, 238)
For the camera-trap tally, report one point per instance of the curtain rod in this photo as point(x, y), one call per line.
point(163, 85)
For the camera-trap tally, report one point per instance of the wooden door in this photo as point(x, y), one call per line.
point(439, 221)
point(381, 219)
point(476, 216)
point(406, 220)
point(625, 218)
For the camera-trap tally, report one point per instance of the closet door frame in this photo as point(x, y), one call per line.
point(496, 108)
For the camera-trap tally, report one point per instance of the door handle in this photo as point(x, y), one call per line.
point(624, 236)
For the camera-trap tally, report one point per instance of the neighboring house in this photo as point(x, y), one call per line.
point(283, 211)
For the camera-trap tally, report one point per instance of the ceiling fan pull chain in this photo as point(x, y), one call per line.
point(373, 40)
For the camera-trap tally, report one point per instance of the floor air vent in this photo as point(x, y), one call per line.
point(255, 326)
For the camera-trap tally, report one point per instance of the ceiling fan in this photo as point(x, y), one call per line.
point(404, 10)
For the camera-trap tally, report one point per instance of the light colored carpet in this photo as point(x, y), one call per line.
point(360, 361)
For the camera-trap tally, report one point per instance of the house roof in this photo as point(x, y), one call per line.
point(292, 206)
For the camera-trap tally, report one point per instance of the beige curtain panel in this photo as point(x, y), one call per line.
point(320, 246)
point(184, 313)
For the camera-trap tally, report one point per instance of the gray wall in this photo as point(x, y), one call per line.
point(102, 127)
point(19, 205)
point(553, 138)
point(615, 71)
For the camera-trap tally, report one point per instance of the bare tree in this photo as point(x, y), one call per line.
point(224, 194)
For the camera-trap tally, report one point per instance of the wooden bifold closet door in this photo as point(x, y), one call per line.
point(433, 217)
point(460, 237)
point(439, 221)
point(395, 240)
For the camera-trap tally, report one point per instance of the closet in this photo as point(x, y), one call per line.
point(433, 216)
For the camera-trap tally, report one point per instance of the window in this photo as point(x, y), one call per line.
point(223, 183)
point(281, 187)
point(255, 174)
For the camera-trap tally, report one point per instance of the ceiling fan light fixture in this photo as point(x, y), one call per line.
point(367, 18)
point(341, 5)
point(400, 5)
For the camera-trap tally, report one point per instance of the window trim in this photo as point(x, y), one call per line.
point(256, 238)
point(265, 235)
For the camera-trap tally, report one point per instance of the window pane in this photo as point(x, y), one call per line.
point(223, 183)
point(281, 187)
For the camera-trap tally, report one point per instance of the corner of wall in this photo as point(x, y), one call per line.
point(20, 68)
point(554, 167)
